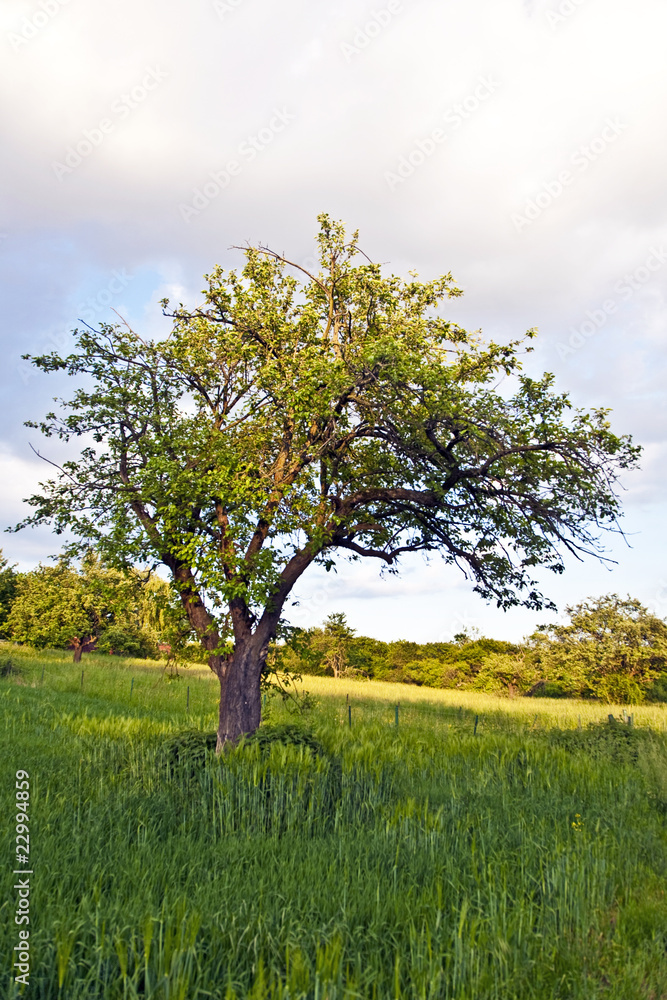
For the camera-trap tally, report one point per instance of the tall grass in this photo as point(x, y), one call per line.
point(526, 861)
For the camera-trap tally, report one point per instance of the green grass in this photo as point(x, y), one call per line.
point(526, 861)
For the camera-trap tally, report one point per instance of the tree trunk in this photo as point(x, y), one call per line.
point(240, 699)
point(78, 650)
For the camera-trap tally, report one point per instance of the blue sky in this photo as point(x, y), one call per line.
point(519, 145)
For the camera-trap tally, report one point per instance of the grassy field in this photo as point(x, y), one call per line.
point(526, 859)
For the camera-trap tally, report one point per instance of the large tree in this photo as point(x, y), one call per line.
point(293, 416)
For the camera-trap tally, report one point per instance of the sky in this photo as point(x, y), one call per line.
point(519, 145)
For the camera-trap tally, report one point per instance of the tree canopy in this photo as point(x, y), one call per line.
point(294, 416)
point(611, 647)
point(95, 608)
point(8, 585)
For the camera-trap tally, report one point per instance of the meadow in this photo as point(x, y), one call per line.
point(481, 848)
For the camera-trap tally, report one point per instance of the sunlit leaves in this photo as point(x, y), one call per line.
point(294, 415)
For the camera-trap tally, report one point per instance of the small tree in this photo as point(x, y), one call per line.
point(9, 580)
point(333, 643)
point(506, 673)
point(53, 610)
point(611, 648)
point(96, 608)
point(286, 421)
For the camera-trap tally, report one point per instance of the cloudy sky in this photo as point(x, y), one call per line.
point(520, 145)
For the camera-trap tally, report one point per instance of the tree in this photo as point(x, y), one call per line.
point(612, 647)
point(97, 608)
point(506, 673)
point(333, 643)
point(52, 609)
point(290, 419)
point(9, 580)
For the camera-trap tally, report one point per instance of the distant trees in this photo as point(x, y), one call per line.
point(507, 673)
point(335, 650)
point(94, 608)
point(612, 648)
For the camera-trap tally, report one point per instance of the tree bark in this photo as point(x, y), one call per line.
point(240, 698)
point(78, 650)
point(239, 674)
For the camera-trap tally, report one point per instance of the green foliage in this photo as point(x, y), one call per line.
point(329, 647)
point(657, 690)
point(612, 648)
point(189, 747)
point(285, 734)
point(94, 607)
point(614, 741)
point(292, 419)
point(547, 689)
point(433, 664)
point(9, 580)
point(53, 608)
point(506, 673)
point(8, 668)
point(126, 640)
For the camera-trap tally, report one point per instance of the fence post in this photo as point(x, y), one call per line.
point(476, 721)
point(131, 687)
point(396, 716)
point(349, 713)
